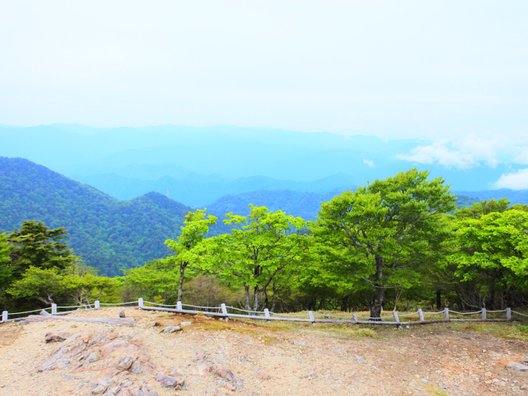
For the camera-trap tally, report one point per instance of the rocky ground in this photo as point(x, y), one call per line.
point(166, 354)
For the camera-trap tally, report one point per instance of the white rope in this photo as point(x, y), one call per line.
point(25, 312)
point(521, 314)
point(244, 310)
point(200, 306)
point(164, 305)
point(69, 306)
point(409, 315)
point(118, 304)
point(465, 313)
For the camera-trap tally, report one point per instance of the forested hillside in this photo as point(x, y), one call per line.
point(304, 204)
point(107, 233)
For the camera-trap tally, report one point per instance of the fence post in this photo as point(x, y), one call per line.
point(508, 314)
point(140, 302)
point(484, 314)
point(354, 317)
point(446, 313)
point(421, 315)
point(97, 304)
point(266, 313)
point(224, 311)
point(179, 306)
point(395, 316)
point(312, 317)
point(5, 316)
point(54, 309)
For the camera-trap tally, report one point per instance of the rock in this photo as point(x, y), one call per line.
point(55, 337)
point(157, 324)
point(517, 366)
point(232, 382)
point(136, 368)
point(101, 387)
point(185, 324)
point(125, 363)
point(171, 329)
point(205, 368)
point(311, 375)
point(142, 390)
point(122, 314)
point(359, 358)
point(92, 357)
point(525, 359)
point(169, 381)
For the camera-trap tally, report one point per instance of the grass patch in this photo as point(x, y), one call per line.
point(501, 330)
point(434, 390)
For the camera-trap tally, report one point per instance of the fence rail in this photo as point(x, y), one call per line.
point(227, 312)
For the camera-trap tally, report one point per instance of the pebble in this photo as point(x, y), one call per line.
point(517, 366)
point(171, 329)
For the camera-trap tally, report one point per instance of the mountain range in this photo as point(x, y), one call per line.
point(196, 166)
point(122, 192)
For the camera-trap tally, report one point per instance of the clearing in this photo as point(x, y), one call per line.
point(214, 357)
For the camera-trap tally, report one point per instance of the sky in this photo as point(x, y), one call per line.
point(451, 72)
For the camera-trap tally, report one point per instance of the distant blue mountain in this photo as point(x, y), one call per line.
point(197, 166)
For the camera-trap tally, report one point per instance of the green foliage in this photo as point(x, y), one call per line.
point(193, 231)
point(378, 233)
point(259, 248)
point(157, 280)
point(49, 285)
point(42, 284)
point(492, 253)
point(39, 246)
point(6, 272)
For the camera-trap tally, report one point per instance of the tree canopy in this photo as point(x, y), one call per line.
point(381, 230)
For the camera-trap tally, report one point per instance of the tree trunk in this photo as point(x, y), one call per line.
point(246, 291)
point(492, 295)
point(266, 298)
point(255, 298)
point(376, 304)
point(438, 299)
point(344, 303)
point(182, 277)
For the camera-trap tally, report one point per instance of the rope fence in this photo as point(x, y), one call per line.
point(227, 311)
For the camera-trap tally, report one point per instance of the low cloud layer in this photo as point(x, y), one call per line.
point(514, 181)
point(465, 153)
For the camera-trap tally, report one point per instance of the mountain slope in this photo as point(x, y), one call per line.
point(107, 233)
point(303, 204)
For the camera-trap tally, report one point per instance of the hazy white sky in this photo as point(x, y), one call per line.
point(453, 72)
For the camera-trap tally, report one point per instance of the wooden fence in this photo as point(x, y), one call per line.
point(229, 312)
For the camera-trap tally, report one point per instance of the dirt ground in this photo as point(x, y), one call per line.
point(214, 357)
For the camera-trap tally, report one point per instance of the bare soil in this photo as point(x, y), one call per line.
point(214, 357)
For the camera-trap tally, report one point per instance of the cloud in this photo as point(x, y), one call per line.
point(513, 181)
point(369, 163)
point(465, 153)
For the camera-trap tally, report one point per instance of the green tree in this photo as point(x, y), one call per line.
point(6, 271)
point(260, 247)
point(380, 231)
point(154, 281)
point(492, 255)
point(34, 244)
point(193, 231)
point(52, 285)
point(42, 284)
